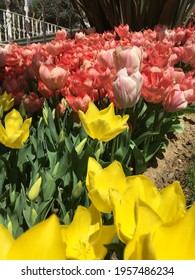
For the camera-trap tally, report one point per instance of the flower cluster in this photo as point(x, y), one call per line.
point(90, 67)
point(149, 223)
point(79, 121)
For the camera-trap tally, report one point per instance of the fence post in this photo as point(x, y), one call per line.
point(43, 2)
point(27, 21)
point(8, 21)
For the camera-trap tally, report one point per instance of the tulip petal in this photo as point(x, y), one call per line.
point(41, 242)
point(175, 241)
point(93, 167)
point(6, 242)
point(13, 122)
point(173, 203)
point(25, 128)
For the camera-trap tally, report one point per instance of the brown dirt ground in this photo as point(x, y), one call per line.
point(172, 165)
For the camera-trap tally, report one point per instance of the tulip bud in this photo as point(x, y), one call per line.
point(35, 189)
point(77, 190)
point(13, 196)
point(66, 219)
point(80, 146)
point(45, 116)
point(55, 169)
point(9, 227)
point(61, 136)
point(33, 215)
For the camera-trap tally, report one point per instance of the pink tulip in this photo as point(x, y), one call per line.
point(61, 34)
point(78, 103)
point(45, 91)
point(175, 100)
point(127, 89)
point(157, 82)
point(122, 30)
point(189, 53)
point(105, 58)
point(54, 77)
point(129, 58)
point(32, 102)
point(54, 47)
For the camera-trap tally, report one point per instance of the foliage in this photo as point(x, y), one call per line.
point(139, 14)
point(100, 107)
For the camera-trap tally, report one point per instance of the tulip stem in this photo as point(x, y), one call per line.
point(113, 148)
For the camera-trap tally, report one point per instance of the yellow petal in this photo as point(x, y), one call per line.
point(144, 189)
point(93, 167)
point(25, 128)
point(105, 236)
point(99, 181)
point(13, 122)
point(76, 236)
point(147, 221)
point(100, 200)
point(103, 125)
point(175, 241)
point(141, 249)
point(41, 242)
point(92, 111)
point(124, 216)
point(6, 242)
point(173, 203)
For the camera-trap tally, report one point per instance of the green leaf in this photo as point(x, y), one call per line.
point(139, 160)
point(144, 136)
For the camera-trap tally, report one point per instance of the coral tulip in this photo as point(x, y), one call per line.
point(54, 77)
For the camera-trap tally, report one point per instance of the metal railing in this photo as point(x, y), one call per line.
point(15, 27)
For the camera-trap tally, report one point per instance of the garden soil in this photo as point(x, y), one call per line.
point(173, 164)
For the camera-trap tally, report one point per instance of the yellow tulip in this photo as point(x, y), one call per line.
point(99, 181)
point(168, 204)
point(167, 241)
point(6, 101)
point(15, 132)
point(85, 237)
point(103, 125)
point(41, 242)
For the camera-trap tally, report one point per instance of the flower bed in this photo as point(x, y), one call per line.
point(80, 120)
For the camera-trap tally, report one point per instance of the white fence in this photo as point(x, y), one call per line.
point(15, 27)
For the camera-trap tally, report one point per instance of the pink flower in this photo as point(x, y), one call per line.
point(157, 81)
point(54, 47)
point(32, 102)
point(127, 89)
point(189, 53)
point(61, 34)
point(105, 58)
point(61, 107)
point(129, 58)
point(175, 100)
point(54, 77)
point(78, 103)
point(122, 30)
point(45, 91)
